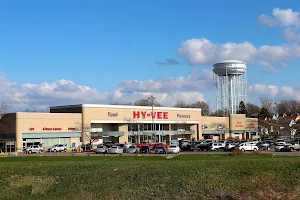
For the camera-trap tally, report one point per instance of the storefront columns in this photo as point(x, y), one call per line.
point(124, 128)
point(19, 137)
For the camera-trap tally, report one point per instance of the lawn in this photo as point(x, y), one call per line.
point(148, 177)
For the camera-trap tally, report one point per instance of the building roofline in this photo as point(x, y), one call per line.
point(123, 107)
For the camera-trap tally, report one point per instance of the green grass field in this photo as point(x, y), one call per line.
point(149, 177)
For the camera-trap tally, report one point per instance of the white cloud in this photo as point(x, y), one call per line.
point(203, 52)
point(291, 35)
point(63, 92)
point(283, 17)
point(271, 92)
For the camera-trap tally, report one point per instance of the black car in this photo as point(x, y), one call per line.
point(144, 149)
point(286, 149)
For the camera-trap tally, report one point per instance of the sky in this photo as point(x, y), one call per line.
point(74, 52)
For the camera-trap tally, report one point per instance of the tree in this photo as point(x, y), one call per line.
point(205, 110)
point(220, 113)
point(118, 103)
point(252, 109)
point(4, 107)
point(146, 102)
point(220, 127)
point(242, 108)
point(267, 104)
point(40, 111)
point(288, 107)
point(264, 113)
point(86, 130)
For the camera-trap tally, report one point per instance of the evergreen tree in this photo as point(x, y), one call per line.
point(242, 108)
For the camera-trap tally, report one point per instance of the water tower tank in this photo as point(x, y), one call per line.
point(230, 82)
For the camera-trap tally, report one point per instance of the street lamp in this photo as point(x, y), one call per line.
point(152, 98)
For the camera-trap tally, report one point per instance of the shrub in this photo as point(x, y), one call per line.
point(236, 152)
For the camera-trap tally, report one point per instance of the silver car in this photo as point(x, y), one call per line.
point(101, 149)
point(116, 150)
point(132, 149)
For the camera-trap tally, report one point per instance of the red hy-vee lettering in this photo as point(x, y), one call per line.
point(144, 114)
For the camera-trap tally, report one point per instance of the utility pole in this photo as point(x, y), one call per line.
point(152, 98)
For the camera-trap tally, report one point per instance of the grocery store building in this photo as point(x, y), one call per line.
point(118, 123)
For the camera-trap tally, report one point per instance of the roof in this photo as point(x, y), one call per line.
point(290, 117)
point(123, 106)
point(231, 61)
point(270, 123)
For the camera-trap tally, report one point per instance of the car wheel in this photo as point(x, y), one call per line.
point(65, 150)
point(255, 149)
point(292, 149)
point(242, 149)
point(29, 152)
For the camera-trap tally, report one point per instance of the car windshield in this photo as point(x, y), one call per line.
point(114, 147)
point(132, 147)
point(173, 146)
point(145, 147)
point(100, 146)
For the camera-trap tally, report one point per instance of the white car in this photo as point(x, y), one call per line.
point(280, 145)
point(248, 146)
point(216, 146)
point(173, 149)
point(34, 149)
point(58, 148)
point(116, 149)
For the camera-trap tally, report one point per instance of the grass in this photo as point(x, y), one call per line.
point(150, 177)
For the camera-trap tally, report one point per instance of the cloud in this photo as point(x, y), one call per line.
point(63, 92)
point(291, 35)
point(201, 51)
point(168, 62)
point(272, 92)
point(283, 17)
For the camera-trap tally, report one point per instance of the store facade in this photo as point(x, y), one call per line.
point(97, 123)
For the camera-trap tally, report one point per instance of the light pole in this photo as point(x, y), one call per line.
point(152, 98)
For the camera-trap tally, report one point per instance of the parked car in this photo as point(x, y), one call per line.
point(203, 146)
point(108, 144)
point(229, 146)
point(58, 148)
point(286, 148)
point(173, 149)
point(280, 145)
point(101, 149)
point(160, 149)
point(216, 146)
point(132, 149)
point(34, 149)
point(123, 146)
point(248, 146)
point(145, 149)
point(116, 150)
point(295, 147)
point(280, 141)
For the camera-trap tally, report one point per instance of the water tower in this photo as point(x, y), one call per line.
point(230, 82)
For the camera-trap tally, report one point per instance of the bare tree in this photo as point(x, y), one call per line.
point(220, 113)
point(288, 107)
point(4, 107)
point(146, 102)
point(252, 109)
point(220, 127)
point(205, 110)
point(267, 104)
point(85, 129)
point(118, 103)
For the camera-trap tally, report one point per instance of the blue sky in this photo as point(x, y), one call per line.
point(100, 44)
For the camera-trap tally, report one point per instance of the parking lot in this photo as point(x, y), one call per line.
point(272, 151)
